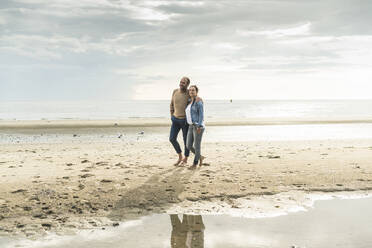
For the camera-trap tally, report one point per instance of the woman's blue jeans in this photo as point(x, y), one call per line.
point(193, 141)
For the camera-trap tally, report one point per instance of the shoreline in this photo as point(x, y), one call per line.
point(163, 122)
point(269, 205)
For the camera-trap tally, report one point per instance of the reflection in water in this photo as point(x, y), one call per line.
point(188, 233)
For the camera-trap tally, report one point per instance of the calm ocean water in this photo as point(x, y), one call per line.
point(350, 109)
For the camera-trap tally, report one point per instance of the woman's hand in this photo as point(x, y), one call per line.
point(198, 130)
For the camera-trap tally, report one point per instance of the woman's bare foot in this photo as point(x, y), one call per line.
point(201, 159)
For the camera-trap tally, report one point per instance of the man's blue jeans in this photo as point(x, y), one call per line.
point(177, 125)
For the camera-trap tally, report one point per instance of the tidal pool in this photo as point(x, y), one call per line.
point(330, 223)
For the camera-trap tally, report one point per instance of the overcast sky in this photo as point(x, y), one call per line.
point(239, 49)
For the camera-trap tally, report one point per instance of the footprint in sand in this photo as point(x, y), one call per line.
point(86, 175)
point(102, 163)
point(106, 181)
point(273, 157)
point(19, 191)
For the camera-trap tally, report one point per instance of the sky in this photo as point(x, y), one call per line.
point(68, 50)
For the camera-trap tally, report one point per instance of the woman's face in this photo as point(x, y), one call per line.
point(192, 92)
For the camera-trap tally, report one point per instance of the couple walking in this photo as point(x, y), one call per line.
point(187, 114)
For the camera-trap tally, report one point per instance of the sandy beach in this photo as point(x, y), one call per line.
point(79, 183)
point(277, 94)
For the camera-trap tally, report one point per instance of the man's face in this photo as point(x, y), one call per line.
point(183, 84)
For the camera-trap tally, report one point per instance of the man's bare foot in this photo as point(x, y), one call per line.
point(193, 167)
point(184, 161)
point(178, 162)
point(201, 160)
point(180, 159)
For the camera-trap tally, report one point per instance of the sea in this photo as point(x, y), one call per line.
point(355, 116)
point(253, 109)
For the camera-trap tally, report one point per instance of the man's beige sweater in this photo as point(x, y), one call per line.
point(179, 103)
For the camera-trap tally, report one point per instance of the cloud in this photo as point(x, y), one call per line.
point(150, 43)
point(303, 29)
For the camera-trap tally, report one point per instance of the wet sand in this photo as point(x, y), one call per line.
point(165, 122)
point(78, 183)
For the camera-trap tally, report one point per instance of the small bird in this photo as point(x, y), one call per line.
point(142, 132)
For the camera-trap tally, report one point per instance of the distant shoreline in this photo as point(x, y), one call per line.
point(163, 122)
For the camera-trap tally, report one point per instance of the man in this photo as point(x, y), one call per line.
point(179, 102)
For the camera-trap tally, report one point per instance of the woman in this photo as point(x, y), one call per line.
point(195, 119)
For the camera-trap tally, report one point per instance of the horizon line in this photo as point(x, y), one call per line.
point(207, 99)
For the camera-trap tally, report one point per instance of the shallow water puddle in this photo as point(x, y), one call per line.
point(331, 223)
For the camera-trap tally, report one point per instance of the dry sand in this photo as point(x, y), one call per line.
point(63, 186)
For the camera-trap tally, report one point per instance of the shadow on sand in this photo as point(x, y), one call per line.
point(154, 196)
